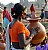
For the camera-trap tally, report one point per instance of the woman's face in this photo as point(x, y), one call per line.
point(24, 13)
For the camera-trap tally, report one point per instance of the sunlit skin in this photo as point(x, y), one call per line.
point(24, 13)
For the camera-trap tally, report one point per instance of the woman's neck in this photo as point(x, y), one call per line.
point(20, 19)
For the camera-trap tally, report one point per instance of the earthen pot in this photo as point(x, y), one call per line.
point(40, 36)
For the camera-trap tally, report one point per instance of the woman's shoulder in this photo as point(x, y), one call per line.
point(20, 23)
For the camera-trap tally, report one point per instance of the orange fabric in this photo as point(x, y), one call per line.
point(16, 29)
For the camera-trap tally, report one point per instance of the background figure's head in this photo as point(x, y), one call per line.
point(18, 11)
point(32, 4)
point(42, 10)
point(5, 8)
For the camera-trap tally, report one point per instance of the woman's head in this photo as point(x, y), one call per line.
point(5, 8)
point(32, 5)
point(17, 10)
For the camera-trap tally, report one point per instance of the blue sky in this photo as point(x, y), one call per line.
point(13, 1)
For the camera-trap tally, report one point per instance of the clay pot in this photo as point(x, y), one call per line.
point(39, 37)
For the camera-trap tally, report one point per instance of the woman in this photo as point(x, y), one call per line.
point(32, 9)
point(19, 34)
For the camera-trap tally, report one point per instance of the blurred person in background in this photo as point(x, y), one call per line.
point(32, 9)
point(42, 14)
point(6, 17)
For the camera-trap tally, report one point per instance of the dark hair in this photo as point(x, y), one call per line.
point(17, 10)
point(5, 7)
point(32, 5)
point(42, 10)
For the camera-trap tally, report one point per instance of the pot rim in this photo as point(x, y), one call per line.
point(30, 19)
